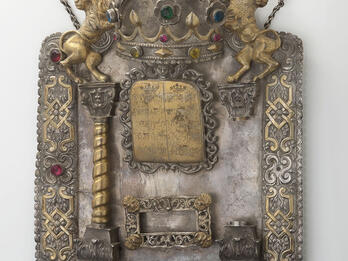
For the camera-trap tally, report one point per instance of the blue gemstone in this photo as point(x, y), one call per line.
point(219, 16)
point(108, 17)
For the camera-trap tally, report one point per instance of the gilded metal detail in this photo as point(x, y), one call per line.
point(202, 237)
point(131, 204)
point(134, 142)
point(57, 114)
point(259, 45)
point(280, 224)
point(282, 156)
point(280, 114)
point(57, 223)
point(181, 38)
point(203, 202)
point(133, 241)
point(100, 241)
point(76, 45)
point(55, 199)
point(167, 122)
point(99, 99)
point(187, 27)
point(101, 182)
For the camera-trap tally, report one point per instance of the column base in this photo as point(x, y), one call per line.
point(99, 244)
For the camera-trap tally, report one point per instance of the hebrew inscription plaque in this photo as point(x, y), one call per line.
point(167, 122)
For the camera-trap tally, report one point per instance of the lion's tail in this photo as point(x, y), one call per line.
point(63, 38)
point(278, 41)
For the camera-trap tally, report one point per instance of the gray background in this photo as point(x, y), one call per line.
point(322, 26)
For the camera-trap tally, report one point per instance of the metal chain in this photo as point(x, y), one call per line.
point(274, 12)
point(71, 13)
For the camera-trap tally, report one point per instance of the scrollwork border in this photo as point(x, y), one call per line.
point(55, 200)
point(282, 172)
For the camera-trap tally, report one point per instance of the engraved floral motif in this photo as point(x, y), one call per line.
point(203, 202)
point(131, 204)
point(203, 239)
point(133, 242)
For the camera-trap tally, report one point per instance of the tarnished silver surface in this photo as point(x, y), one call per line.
point(98, 98)
point(239, 99)
point(240, 242)
point(258, 177)
point(233, 183)
point(98, 244)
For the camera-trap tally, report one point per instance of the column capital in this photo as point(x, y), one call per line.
point(99, 99)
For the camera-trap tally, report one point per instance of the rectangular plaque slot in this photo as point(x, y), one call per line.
point(176, 221)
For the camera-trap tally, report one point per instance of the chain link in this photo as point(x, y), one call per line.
point(71, 13)
point(280, 4)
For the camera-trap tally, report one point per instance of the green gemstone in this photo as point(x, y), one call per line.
point(167, 12)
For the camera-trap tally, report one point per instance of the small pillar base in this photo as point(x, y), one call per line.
point(99, 244)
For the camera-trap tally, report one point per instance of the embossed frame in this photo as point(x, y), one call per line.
point(175, 73)
point(201, 237)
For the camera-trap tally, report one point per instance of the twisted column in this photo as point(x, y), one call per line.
point(99, 100)
point(101, 180)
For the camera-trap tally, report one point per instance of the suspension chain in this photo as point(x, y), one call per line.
point(280, 4)
point(71, 13)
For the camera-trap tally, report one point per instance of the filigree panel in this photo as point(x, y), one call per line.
point(282, 155)
point(56, 174)
point(57, 209)
point(200, 205)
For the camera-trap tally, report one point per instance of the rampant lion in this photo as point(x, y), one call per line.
point(76, 45)
point(259, 46)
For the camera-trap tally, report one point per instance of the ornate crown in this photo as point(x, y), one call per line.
point(176, 31)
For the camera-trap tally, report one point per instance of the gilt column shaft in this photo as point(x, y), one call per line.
point(101, 179)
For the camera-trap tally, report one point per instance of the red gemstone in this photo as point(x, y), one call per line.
point(217, 37)
point(57, 170)
point(56, 56)
point(164, 38)
point(115, 37)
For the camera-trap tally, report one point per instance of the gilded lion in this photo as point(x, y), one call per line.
point(259, 44)
point(76, 45)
